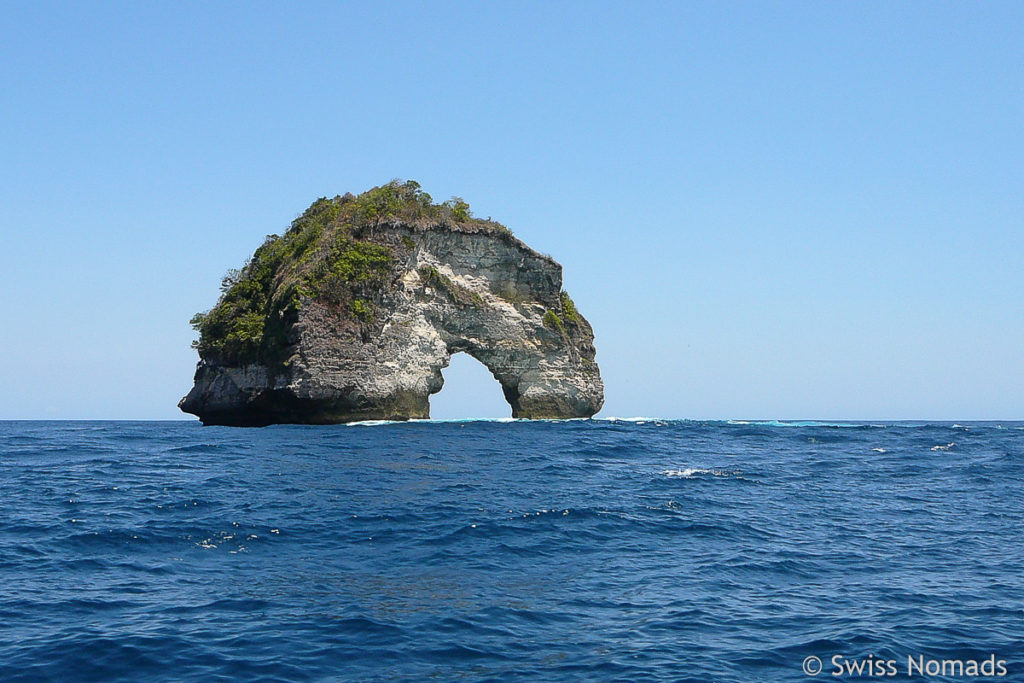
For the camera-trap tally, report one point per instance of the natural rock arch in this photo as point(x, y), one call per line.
point(447, 288)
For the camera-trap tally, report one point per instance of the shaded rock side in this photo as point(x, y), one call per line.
point(376, 349)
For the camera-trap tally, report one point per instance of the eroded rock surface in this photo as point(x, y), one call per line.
point(357, 310)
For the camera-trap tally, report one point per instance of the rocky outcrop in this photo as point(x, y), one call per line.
point(354, 312)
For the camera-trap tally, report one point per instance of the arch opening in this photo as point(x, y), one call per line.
point(469, 391)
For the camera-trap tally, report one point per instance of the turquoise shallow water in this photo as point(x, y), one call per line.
point(587, 550)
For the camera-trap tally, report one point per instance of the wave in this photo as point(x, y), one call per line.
point(802, 423)
point(499, 420)
point(694, 472)
point(458, 420)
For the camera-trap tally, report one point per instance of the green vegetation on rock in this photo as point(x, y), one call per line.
point(554, 323)
point(328, 254)
point(405, 202)
point(350, 265)
point(569, 309)
point(568, 320)
point(362, 310)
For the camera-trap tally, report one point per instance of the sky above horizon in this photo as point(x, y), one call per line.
point(766, 210)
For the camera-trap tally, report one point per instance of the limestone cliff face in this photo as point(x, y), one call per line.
point(347, 338)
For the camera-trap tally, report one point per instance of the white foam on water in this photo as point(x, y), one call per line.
point(944, 448)
point(796, 423)
point(379, 423)
point(879, 450)
point(693, 472)
point(457, 420)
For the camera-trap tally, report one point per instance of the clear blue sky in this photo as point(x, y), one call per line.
point(767, 210)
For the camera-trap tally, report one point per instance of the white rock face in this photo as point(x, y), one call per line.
point(452, 290)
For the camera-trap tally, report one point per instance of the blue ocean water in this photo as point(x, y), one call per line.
point(584, 550)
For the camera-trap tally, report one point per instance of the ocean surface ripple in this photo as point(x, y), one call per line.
point(639, 550)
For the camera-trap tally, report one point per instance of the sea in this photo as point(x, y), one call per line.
point(593, 550)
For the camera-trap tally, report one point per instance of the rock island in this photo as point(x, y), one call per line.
point(353, 312)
